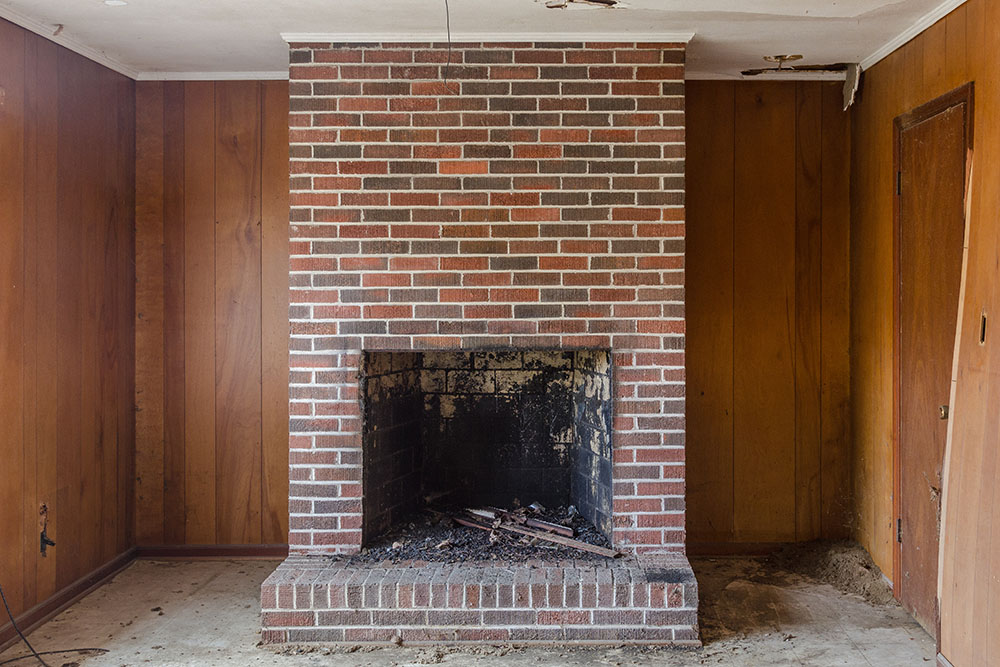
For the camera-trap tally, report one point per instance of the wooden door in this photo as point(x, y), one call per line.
point(931, 154)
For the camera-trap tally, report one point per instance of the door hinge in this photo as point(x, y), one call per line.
point(899, 530)
point(899, 182)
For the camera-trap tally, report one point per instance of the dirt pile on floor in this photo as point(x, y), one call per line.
point(844, 565)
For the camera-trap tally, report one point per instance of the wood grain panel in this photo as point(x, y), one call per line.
point(709, 297)
point(274, 312)
point(764, 297)
point(70, 316)
point(65, 198)
point(199, 312)
point(237, 307)
point(808, 309)
point(835, 319)
point(12, 298)
point(222, 187)
point(812, 397)
point(173, 311)
point(149, 386)
point(29, 332)
point(44, 121)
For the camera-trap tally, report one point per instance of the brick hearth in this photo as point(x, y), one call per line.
point(653, 599)
point(527, 196)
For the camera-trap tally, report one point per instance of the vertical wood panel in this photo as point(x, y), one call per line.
point(12, 310)
point(709, 268)
point(956, 57)
point(45, 119)
point(238, 324)
point(199, 312)
point(125, 283)
point(764, 296)
point(808, 308)
point(811, 396)
point(173, 312)
point(29, 336)
point(274, 311)
point(65, 200)
point(149, 397)
point(70, 316)
point(835, 325)
point(220, 188)
point(107, 204)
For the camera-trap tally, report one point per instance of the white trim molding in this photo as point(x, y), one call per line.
point(51, 33)
point(924, 22)
point(387, 37)
point(213, 76)
point(788, 75)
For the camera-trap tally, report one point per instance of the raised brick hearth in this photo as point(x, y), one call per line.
point(525, 197)
point(652, 599)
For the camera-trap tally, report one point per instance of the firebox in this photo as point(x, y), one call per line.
point(502, 428)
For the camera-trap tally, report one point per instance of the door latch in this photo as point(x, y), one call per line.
point(943, 411)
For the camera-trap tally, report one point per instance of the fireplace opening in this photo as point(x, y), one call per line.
point(497, 428)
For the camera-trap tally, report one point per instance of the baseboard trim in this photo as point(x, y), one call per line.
point(45, 610)
point(212, 551)
point(734, 548)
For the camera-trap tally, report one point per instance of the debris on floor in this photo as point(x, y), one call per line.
point(843, 564)
point(754, 611)
point(520, 535)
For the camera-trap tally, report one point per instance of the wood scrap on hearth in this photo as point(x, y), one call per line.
point(520, 518)
point(476, 520)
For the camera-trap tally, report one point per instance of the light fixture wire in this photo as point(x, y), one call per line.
point(447, 67)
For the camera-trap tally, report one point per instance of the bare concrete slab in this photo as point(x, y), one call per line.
point(207, 613)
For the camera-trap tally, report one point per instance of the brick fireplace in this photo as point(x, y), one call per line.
point(458, 215)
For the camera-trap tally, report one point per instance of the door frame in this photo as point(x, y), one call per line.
point(962, 95)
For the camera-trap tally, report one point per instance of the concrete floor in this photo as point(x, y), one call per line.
point(206, 613)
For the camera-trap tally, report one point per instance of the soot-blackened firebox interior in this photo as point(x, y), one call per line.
point(496, 427)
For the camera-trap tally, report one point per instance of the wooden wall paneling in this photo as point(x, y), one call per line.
point(956, 61)
point(149, 373)
point(978, 455)
point(125, 296)
point(45, 128)
point(29, 336)
point(808, 308)
point(835, 483)
point(709, 266)
point(84, 85)
point(12, 294)
point(65, 196)
point(108, 306)
point(274, 311)
point(173, 312)
point(69, 320)
point(238, 324)
point(199, 313)
point(764, 297)
point(934, 52)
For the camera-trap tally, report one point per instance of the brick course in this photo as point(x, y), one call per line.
point(534, 199)
point(644, 600)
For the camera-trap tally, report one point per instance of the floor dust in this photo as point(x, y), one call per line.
point(844, 565)
point(754, 611)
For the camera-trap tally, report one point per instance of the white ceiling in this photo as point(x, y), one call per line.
point(234, 38)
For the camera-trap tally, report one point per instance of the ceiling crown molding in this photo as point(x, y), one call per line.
point(213, 76)
point(47, 31)
point(391, 37)
point(924, 22)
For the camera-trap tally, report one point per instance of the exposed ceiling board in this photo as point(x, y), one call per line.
point(244, 36)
